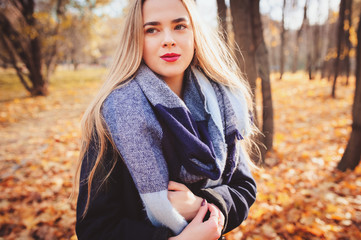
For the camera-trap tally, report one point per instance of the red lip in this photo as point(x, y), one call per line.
point(170, 57)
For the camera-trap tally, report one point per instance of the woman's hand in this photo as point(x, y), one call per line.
point(208, 230)
point(183, 200)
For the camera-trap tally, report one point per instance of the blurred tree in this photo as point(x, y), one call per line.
point(33, 31)
point(310, 48)
point(3, 58)
point(242, 27)
point(20, 38)
point(328, 60)
point(348, 45)
point(222, 18)
point(248, 32)
point(48, 27)
point(352, 155)
point(342, 38)
point(272, 38)
point(283, 32)
point(77, 38)
point(298, 38)
point(318, 42)
point(263, 68)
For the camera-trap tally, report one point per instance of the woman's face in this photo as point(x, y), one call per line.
point(168, 38)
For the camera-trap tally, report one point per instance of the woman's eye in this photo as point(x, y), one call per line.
point(150, 30)
point(180, 27)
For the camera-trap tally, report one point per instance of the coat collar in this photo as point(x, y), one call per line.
point(158, 92)
point(201, 98)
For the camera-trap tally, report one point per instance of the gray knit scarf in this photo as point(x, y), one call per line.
point(162, 137)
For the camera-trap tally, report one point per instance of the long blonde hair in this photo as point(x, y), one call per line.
point(212, 56)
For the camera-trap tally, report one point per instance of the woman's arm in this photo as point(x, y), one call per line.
point(105, 220)
point(233, 199)
point(115, 209)
point(105, 227)
point(182, 199)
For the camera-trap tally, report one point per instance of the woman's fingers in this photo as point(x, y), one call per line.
point(221, 221)
point(175, 186)
point(171, 195)
point(201, 212)
point(217, 216)
point(214, 212)
point(197, 229)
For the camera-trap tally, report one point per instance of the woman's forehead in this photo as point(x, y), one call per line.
point(163, 10)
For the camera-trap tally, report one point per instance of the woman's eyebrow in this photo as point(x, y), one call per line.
point(177, 20)
point(181, 19)
point(151, 24)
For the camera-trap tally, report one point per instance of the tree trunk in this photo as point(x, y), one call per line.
point(317, 47)
point(263, 68)
point(351, 157)
point(26, 48)
point(309, 63)
point(222, 14)
point(50, 60)
point(243, 37)
point(40, 84)
point(326, 63)
point(13, 63)
point(309, 49)
point(319, 30)
point(298, 38)
point(282, 54)
point(242, 27)
point(248, 31)
point(340, 35)
point(348, 44)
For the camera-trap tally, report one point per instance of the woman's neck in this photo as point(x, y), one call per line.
point(176, 84)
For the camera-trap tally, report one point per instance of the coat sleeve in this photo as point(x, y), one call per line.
point(233, 199)
point(103, 223)
point(115, 210)
point(102, 226)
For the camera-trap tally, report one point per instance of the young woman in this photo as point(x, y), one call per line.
point(164, 148)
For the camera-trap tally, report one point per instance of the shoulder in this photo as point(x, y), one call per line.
point(126, 96)
point(124, 107)
point(123, 94)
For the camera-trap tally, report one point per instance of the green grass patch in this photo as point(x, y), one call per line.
point(10, 85)
point(69, 79)
point(63, 79)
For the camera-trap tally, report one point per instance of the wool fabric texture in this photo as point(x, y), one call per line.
point(162, 137)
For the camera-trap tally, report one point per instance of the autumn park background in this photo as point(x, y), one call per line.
point(301, 57)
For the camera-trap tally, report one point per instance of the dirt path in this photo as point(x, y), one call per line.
point(39, 148)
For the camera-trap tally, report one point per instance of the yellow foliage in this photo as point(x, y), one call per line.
point(274, 30)
point(331, 208)
point(346, 25)
point(283, 198)
point(353, 36)
point(331, 54)
point(352, 53)
point(274, 44)
point(102, 2)
point(290, 228)
point(41, 15)
point(297, 199)
point(334, 17)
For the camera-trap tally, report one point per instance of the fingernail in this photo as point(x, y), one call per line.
point(204, 202)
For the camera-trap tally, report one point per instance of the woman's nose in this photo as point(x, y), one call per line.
point(168, 40)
